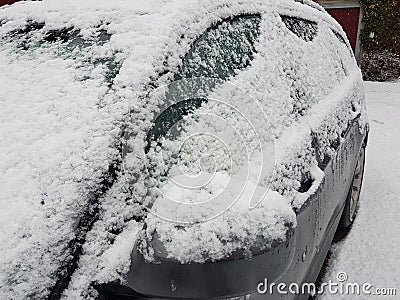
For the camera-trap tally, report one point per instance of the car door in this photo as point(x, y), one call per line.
point(218, 55)
point(336, 160)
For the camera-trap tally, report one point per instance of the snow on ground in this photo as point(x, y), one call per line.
point(370, 253)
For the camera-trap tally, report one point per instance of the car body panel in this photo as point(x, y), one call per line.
point(298, 260)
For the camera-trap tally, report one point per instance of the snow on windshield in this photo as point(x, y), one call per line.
point(79, 96)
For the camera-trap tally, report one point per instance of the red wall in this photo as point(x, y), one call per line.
point(2, 2)
point(348, 18)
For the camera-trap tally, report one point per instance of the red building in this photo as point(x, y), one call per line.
point(348, 13)
point(3, 2)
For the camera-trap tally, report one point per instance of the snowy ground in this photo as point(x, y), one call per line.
point(371, 251)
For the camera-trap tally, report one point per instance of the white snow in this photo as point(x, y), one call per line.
point(330, 92)
point(370, 253)
point(234, 226)
point(60, 123)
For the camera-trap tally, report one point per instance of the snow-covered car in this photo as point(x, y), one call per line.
point(174, 149)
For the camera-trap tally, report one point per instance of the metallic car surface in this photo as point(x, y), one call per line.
point(297, 260)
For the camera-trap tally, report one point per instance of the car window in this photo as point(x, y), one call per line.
point(342, 40)
point(310, 3)
point(304, 29)
point(220, 52)
point(344, 52)
point(339, 37)
point(29, 27)
point(34, 34)
point(34, 38)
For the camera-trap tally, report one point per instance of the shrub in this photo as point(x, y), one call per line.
point(380, 40)
point(381, 25)
point(380, 66)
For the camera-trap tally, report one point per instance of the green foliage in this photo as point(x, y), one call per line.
point(381, 25)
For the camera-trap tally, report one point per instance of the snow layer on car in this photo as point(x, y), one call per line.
point(234, 229)
point(62, 117)
point(300, 100)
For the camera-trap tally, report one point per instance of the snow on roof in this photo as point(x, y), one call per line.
point(73, 72)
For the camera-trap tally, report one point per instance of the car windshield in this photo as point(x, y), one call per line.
point(34, 39)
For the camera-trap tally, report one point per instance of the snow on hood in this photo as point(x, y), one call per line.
point(64, 105)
